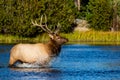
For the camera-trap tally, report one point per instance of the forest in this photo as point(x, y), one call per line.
point(16, 15)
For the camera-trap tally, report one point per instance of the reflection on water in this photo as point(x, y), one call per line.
point(36, 70)
point(32, 74)
point(38, 73)
point(76, 62)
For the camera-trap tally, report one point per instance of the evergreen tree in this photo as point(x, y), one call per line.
point(118, 8)
point(16, 15)
point(99, 14)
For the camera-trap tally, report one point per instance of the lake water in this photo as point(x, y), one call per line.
point(75, 62)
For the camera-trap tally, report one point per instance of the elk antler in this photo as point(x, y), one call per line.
point(44, 27)
point(58, 28)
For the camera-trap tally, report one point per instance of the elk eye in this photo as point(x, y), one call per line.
point(58, 38)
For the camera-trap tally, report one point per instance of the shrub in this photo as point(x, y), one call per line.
point(99, 14)
point(16, 15)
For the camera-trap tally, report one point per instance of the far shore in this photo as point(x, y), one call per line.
point(89, 37)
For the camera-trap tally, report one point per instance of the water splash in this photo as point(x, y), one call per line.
point(28, 65)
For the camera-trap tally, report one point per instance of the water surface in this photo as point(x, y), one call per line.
point(76, 62)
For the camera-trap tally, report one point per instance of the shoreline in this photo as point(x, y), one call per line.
point(90, 37)
point(69, 43)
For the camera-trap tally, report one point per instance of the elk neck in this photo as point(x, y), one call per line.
point(54, 48)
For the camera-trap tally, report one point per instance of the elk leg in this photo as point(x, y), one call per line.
point(12, 61)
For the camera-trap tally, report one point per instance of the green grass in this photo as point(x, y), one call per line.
point(90, 36)
point(94, 36)
point(17, 39)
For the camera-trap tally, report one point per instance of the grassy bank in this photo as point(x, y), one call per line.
point(94, 36)
point(17, 39)
point(90, 36)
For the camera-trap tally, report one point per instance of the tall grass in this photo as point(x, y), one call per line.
point(18, 39)
point(94, 36)
point(89, 36)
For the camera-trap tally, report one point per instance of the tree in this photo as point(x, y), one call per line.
point(116, 14)
point(16, 15)
point(99, 14)
point(81, 8)
point(118, 8)
point(62, 12)
point(77, 4)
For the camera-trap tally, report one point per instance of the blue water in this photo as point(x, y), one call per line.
point(75, 62)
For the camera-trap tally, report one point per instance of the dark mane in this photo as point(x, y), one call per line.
point(54, 48)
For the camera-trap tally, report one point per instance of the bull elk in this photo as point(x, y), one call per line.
point(39, 53)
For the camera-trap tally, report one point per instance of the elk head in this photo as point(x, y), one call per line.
point(54, 36)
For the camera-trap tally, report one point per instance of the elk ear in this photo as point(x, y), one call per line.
point(51, 36)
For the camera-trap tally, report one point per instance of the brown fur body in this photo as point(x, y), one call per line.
point(35, 53)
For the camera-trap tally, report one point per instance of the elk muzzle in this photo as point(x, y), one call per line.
point(64, 40)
